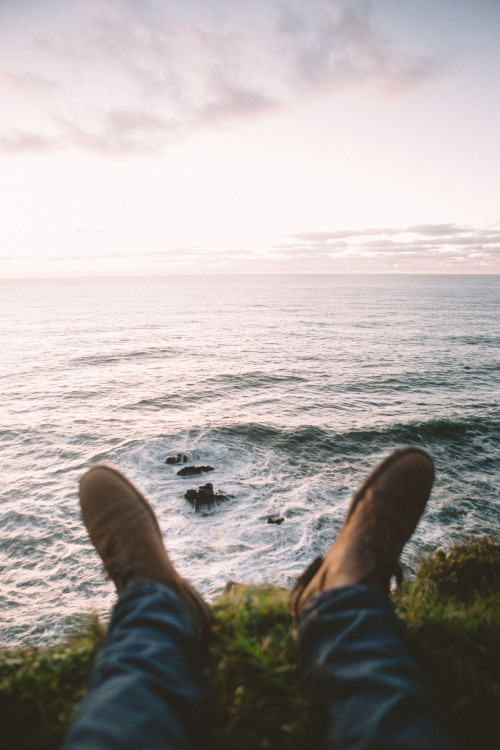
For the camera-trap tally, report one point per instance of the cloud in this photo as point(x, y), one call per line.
point(463, 249)
point(128, 77)
point(183, 256)
point(436, 230)
point(26, 142)
point(340, 234)
point(338, 45)
point(428, 248)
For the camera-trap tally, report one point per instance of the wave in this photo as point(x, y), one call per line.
point(171, 401)
point(152, 352)
point(313, 441)
point(476, 339)
point(205, 389)
point(256, 379)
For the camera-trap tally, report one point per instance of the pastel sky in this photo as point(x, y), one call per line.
point(229, 136)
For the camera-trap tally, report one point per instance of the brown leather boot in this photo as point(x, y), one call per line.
point(123, 528)
point(381, 518)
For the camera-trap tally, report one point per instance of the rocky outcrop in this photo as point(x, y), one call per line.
point(180, 458)
point(205, 497)
point(191, 471)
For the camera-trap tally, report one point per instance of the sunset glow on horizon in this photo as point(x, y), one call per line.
point(318, 136)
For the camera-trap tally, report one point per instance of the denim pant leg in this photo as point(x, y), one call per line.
point(365, 688)
point(145, 692)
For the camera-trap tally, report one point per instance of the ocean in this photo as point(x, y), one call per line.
point(291, 387)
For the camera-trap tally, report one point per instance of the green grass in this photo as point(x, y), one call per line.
point(252, 673)
point(452, 609)
point(39, 688)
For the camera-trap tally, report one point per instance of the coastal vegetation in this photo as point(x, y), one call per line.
point(451, 607)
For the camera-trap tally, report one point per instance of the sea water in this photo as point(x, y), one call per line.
point(291, 387)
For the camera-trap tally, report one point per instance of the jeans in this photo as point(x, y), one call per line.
point(145, 692)
point(366, 691)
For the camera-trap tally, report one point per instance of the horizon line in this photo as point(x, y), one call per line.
point(78, 277)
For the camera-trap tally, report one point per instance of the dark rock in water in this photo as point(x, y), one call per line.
point(275, 519)
point(205, 497)
point(180, 458)
point(190, 471)
point(206, 493)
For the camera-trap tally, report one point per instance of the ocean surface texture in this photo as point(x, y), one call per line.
point(291, 387)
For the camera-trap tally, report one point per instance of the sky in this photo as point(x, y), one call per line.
point(153, 137)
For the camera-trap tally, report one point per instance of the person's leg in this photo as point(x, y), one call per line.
point(145, 691)
point(367, 692)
